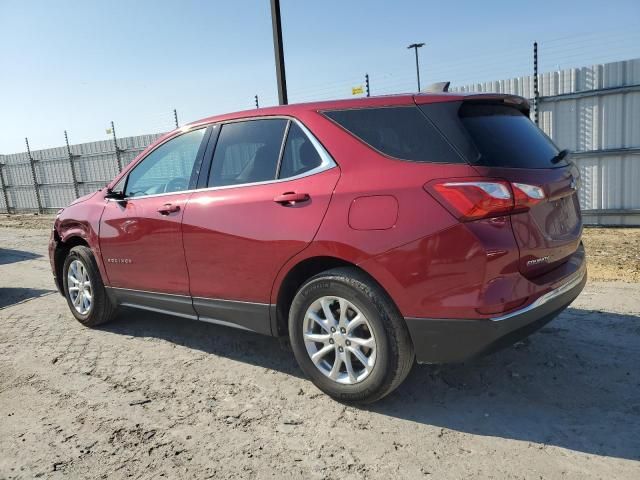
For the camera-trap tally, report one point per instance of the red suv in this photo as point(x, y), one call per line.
point(371, 232)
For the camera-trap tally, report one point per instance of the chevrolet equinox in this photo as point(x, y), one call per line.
point(372, 232)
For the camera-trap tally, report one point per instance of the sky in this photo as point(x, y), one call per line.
point(77, 65)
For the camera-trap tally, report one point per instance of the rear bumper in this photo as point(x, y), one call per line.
point(457, 340)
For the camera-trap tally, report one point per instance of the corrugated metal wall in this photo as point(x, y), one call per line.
point(594, 112)
point(94, 163)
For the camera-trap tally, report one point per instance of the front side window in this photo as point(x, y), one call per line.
point(400, 132)
point(168, 168)
point(247, 152)
point(300, 155)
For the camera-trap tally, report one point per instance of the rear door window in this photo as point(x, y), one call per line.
point(400, 132)
point(506, 137)
point(247, 152)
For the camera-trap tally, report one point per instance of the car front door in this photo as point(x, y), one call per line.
point(140, 236)
point(268, 189)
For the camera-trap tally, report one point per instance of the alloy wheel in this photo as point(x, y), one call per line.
point(79, 287)
point(339, 340)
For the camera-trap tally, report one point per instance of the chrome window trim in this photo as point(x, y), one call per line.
point(547, 297)
point(283, 144)
point(327, 163)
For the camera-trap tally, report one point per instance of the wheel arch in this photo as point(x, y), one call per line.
point(63, 247)
point(296, 276)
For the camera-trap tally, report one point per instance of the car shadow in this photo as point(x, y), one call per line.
point(9, 255)
point(12, 296)
point(573, 385)
point(229, 342)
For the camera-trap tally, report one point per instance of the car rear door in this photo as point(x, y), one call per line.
point(140, 236)
point(269, 186)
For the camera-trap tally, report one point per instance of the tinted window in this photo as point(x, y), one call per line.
point(168, 168)
point(247, 152)
point(300, 155)
point(400, 132)
point(505, 137)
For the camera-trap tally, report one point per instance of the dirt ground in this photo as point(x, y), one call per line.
point(613, 253)
point(154, 396)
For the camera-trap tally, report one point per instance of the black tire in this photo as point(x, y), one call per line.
point(394, 349)
point(102, 309)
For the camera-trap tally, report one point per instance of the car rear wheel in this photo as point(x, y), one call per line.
point(84, 290)
point(348, 336)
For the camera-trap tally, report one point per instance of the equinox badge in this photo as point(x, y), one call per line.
point(538, 261)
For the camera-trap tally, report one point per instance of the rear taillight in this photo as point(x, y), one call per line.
point(526, 196)
point(471, 199)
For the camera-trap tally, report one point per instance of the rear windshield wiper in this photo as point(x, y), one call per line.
point(562, 154)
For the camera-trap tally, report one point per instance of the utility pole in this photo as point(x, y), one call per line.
point(415, 47)
point(175, 117)
point(366, 83)
point(256, 98)
point(536, 93)
point(276, 25)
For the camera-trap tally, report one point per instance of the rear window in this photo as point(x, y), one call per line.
point(400, 132)
point(505, 137)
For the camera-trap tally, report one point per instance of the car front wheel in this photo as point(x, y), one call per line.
point(84, 289)
point(348, 336)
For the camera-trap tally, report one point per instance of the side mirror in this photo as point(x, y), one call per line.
point(115, 195)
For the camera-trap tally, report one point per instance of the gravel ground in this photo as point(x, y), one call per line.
point(614, 253)
point(150, 396)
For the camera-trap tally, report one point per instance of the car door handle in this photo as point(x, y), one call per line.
point(291, 198)
point(168, 208)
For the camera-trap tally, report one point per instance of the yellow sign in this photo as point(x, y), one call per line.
point(109, 131)
point(359, 90)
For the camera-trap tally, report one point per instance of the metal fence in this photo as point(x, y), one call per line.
point(593, 111)
point(46, 180)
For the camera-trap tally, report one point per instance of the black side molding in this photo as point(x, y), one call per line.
point(245, 315)
point(250, 316)
point(179, 305)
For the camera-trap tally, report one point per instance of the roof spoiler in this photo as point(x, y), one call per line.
point(437, 87)
point(515, 101)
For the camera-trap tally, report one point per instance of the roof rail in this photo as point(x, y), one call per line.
point(437, 87)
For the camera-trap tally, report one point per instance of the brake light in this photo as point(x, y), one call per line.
point(475, 199)
point(526, 196)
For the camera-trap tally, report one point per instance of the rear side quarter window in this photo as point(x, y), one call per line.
point(400, 132)
point(299, 156)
